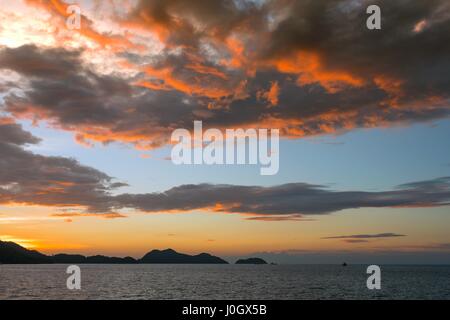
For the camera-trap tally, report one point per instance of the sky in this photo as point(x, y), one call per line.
point(86, 116)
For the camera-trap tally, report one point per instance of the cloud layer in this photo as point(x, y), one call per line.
point(361, 238)
point(33, 179)
point(367, 236)
point(288, 200)
point(148, 67)
point(28, 178)
point(306, 67)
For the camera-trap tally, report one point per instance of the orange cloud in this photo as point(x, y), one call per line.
point(145, 22)
point(218, 63)
point(393, 87)
point(194, 86)
point(110, 215)
point(270, 95)
point(309, 68)
point(199, 68)
point(143, 138)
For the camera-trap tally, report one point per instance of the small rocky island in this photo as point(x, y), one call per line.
point(251, 261)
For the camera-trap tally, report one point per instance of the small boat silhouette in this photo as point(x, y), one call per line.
point(344, 264)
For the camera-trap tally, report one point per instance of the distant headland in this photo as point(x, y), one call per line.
point(12, 253)
point(251, 261)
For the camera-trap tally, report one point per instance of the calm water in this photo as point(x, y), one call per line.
point(223, 282)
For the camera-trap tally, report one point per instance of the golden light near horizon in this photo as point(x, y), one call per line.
point(26, 243)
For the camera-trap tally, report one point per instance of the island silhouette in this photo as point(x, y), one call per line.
point(13, 253)
point(251, 261)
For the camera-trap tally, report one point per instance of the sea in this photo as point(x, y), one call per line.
point(236, 282)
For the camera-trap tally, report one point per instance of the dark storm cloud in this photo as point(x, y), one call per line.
point(185, 23)
point(29, 178)
point(104, 108)
point(61, 88)
point(367, 236)
point(400, 74)
point(336, 31)
point(331, 73)
point(288, 199)
point(12, 133)
point(29, 60)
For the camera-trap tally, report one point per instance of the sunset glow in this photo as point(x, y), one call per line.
point(86, 117)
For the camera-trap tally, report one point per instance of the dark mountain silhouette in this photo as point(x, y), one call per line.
point(171, 256)
point(76, 258)
point(104, 259)
point(12, 253)
point(68, 258)
point(251, 261)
